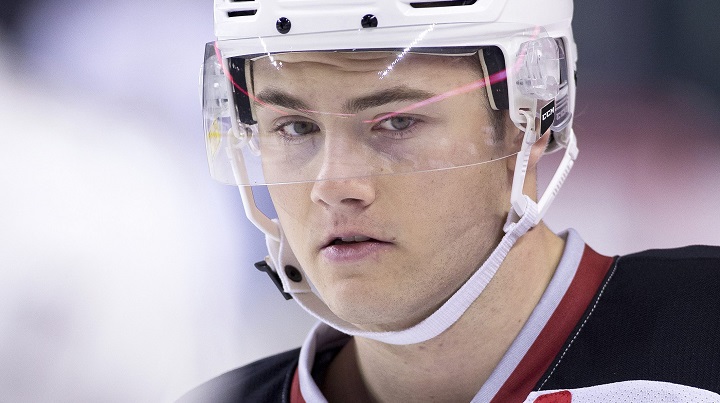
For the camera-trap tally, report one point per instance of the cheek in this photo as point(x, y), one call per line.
point(459, 215)
point(292, 203)
point(290, 198)
point(468, 193)
point(449, 223)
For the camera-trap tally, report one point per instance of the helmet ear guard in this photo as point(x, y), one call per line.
point(217, 115)
point(542, 75)
point(534, 81)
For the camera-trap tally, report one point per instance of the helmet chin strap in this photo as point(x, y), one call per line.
point(524, 215)
point(303, 292)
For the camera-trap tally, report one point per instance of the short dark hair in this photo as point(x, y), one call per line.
point(498, 120)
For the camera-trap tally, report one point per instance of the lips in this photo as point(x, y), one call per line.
point(351, 239)
point(353, 247)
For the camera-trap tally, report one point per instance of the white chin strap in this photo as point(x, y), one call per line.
point(525, 214)
point(300, 288)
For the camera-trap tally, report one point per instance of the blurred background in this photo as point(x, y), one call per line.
point(126, 272)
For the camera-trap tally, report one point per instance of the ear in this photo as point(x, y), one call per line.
point(515, 141)
point(539, 148)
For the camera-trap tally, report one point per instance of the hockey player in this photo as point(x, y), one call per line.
point(399, 142)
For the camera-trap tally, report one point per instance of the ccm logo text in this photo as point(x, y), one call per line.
point(547, 114)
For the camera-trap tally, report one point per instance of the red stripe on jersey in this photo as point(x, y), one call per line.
point(564, 396)
point(295, 393)
point(590, 273)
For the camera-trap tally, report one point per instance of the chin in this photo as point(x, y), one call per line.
point(371, 309)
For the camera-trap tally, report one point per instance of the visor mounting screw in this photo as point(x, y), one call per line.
point(369, 21)
point(293, 273)
point(283, 25)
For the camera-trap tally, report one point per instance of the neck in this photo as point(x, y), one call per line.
point(454, 365)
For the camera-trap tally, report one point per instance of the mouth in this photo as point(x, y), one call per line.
point(353, 248)
point(349, 240)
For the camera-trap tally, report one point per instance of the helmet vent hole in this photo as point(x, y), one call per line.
point(242, 10)
point(447, 3)
point(241, 13)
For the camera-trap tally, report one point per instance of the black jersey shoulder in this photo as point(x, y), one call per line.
point(692, 252)
point(266, 380)
point(655, 317)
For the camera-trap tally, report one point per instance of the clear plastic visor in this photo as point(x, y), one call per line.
point(329, 115)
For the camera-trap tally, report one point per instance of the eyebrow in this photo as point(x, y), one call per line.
point(280, 98)
point(384, 97)
point(276, 97)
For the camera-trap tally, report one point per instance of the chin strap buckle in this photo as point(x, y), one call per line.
point(264, 266)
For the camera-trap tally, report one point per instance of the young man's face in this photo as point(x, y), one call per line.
point(360, 131)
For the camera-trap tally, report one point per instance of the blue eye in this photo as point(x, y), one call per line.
point(397, 123)
point(298, 128)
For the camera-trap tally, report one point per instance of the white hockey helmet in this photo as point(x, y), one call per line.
point(524, 49)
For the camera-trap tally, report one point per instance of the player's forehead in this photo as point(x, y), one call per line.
point(388, 66)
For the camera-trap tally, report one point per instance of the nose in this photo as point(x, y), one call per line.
point(344, 180)
point(353, 193)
